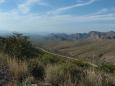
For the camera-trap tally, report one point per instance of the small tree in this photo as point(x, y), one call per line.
point(18, 45)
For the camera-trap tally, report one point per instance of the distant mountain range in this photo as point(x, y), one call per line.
point(93, 35)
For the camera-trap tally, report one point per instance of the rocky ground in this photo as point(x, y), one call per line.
point(4, 74)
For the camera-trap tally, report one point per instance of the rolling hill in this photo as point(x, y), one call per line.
point(89, 46)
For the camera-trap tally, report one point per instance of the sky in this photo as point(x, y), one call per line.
point(58, 16)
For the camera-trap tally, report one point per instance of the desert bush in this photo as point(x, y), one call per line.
point(59, 74)
point(12, 70)
point(53, 75)
point(18, 70)
point(107, 67)
point(18, 45)
point(80, 63)
point(36, 69)
point(49, 59)
point(98, 78)
point(70, 75)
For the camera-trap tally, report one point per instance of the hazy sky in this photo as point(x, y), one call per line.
point(57, 15)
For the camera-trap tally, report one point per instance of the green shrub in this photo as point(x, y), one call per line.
point(36, 69)
point(75, 72)
point(49, 59)
point(107, 67)
point(18, 45)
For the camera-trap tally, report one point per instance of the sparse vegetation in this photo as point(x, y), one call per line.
point(22, 64)
point(107, 67)
point(90, 50)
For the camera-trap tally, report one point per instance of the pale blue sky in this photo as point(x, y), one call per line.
point(68, 16)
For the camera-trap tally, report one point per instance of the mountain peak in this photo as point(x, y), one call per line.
point(93, 35)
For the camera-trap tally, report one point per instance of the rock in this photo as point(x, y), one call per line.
point(4, 75)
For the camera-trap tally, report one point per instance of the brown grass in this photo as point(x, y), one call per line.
point(17, 68)
point(63, 74)
point(57, 77)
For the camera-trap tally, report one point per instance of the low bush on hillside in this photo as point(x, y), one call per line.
point(73, 75)
point(18, 45)
point(107, 67)
point(36, 69)
point(51, 59)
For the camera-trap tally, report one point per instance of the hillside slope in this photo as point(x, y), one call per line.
point(100, 50)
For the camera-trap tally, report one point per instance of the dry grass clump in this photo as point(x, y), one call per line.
point(71, 75)
point(18, 70)
point(59, 74)
point(64, 75)
point(97, 78)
